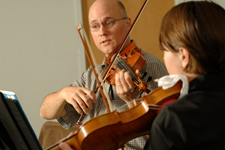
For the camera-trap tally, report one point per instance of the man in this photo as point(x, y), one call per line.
point(109, 24)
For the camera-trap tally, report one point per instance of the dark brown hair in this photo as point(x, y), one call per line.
point(200, 28)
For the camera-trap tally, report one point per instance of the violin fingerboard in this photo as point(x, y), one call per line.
point(121, 64)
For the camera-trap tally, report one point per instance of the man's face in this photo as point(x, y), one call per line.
point(108, 39)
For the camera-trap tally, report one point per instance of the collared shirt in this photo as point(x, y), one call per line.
point(153, 69)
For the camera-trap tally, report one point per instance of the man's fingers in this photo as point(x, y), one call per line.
point(137, 72)
point(76, 106)
point(81, 101)
point(128, 79)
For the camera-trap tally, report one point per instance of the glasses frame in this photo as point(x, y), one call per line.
point(104, 24)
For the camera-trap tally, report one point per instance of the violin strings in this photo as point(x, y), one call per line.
point(121, 64)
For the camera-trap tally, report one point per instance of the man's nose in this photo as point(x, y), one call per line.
point(102, 30)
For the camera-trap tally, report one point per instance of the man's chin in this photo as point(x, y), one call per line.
point(107, 52)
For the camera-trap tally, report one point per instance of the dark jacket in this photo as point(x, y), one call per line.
point(195, 121)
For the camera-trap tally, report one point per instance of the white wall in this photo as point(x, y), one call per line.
point(220, 2)
point(40, 50)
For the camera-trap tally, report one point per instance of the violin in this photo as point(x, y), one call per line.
point(112, 130)
point(130, 60)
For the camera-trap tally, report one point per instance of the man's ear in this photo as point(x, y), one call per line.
point(128, 21)
point(184, 57)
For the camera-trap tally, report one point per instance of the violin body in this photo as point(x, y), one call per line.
point(112, 130)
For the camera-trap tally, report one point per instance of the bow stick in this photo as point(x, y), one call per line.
point(106, 99)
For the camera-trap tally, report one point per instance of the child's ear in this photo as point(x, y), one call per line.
point(184, 56)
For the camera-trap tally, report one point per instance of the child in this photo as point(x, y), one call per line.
point(192, 38)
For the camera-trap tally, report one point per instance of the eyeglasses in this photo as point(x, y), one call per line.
point(108, 23)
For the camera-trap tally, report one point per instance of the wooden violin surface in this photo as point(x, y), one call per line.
point(112, 130)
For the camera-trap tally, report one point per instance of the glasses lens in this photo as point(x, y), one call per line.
point(109, 23)
point(94, 26)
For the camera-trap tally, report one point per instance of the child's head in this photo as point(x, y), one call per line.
point(198, 27)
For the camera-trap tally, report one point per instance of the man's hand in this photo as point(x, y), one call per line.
point(124, 85)
point(81, 98)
